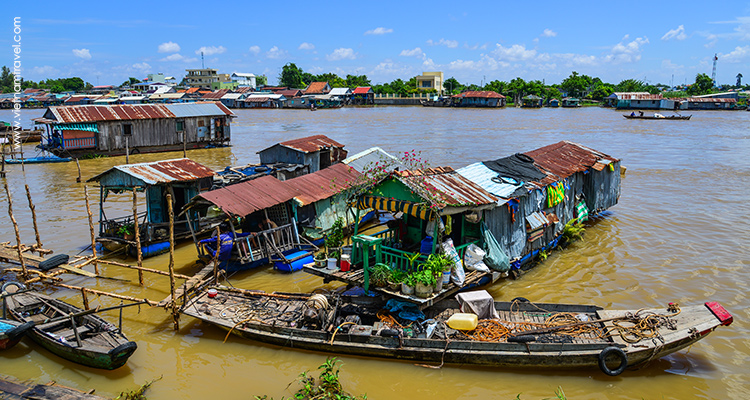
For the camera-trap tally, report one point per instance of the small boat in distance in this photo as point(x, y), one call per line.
point(11, 332)
point(657, 116)
point(506, 334)
point(70, 332)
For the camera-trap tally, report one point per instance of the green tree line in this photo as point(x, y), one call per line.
point(53, 85)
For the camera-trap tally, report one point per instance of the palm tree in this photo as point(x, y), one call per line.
point(739, 79)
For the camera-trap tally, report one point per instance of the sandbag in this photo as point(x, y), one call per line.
point(474, 259)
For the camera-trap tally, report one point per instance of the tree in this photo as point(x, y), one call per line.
point(332, 79)
point(128, 83)
point(261, 80)
point(703, 85)
point(534, 87)
point(576, 85)
point(291, 76)
point(6, 80)
point(515, 89)
point(630, 85)
point(496, 86)
point(452, 86)
point(739, 81)
point(353, 81)
point(552, 93)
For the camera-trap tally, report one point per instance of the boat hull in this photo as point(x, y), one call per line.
point(11, 332)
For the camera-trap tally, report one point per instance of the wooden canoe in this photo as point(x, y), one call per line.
point(11, 332)
point(285, 320)
point(87, 339)
point(668, 117)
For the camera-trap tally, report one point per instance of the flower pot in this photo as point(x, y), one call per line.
point(128, 236)
point(321, 263)
point(393, 286)
point(438, 285)
point(423, 291)
point(406, 289)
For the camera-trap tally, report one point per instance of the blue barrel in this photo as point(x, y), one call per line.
point(426, 247)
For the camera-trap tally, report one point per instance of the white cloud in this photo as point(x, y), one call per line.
point(82, 53)
point(254, 49)
point(626, 52)
point(46, 71)
point(416, 52)
point(211, 50)
point(142, 66)
point(516, 52)
point(549, 33)
point(737, 55)
point(379, 31)
point(341, 54)
point(173, 57)
point(276, 53)
point(306, 46)
point(451, 44)
point(169, 47)
point(678, 34)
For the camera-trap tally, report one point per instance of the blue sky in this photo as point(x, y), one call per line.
point(473, 41)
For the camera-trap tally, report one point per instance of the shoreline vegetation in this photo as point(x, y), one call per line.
point(576, 85)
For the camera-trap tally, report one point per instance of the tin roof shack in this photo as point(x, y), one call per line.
point(363, 95)
point(428, 207)
point(138, 128)
point(541, 191)
point(532, 101)
point(571, 102)
point(710, 103)
point(316, 152)
point(182, 178)
point(634, 100)
point(484, 98)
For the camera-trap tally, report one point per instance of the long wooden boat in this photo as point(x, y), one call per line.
point(11, 332)
point(522, 336)
point(85, 339)
point(668, 117)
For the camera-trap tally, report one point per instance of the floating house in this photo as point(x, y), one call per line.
point(541, 191)
point(317, 88)
point(182, 178)
point(480, 99)
point(363, 95)
point(532, 101)
point(140, 128)
point(316, 152)
point(634, 100)
point(571, 102)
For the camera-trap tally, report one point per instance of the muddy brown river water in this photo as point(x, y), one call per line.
point(680, 233)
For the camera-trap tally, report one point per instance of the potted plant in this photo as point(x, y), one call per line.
point(379, 274)
point(407, 286)
point(397, 277)
point(335, 238)
point(321, 259)
point(425, 283)
point(126, 231)
point(440, 266)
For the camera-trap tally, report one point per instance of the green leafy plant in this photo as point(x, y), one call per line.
point(397, 276)
point(437, 263)
point(379, 274)
point(411, 279)
point(125, 230)
point(327, 387)
point(573, 231)
point(138, 393)
point(543, 255)
point(335, 237)
point(425, 277)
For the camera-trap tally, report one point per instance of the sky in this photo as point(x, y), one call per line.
point(105, 43)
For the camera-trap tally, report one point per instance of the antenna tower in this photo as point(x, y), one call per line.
point(203, 66)
point(713, 74)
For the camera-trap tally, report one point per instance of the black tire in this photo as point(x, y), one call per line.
point(521, 300)
point(620, 354)
point(53, 262)
point(135, 151)
point(19, 286)
point(522, 339)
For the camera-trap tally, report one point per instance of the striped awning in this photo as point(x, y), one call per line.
point(418, 210)
point(78, 127)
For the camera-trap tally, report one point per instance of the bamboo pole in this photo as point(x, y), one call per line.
point(216, 255)
point(137, 234)
point(79, 171)
point(2, 169)
point(101, 293)
point(33, 218)
point(24, 272)
point(85, 299)
point(175, 314)
point(91, 227)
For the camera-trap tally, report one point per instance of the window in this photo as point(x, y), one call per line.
point(180, 126)
point(127, 129)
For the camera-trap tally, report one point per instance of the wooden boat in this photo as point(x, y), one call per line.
point(84, 339)
point(11, 332)
point(667, 117)
point(38, 160)
point(522, 336)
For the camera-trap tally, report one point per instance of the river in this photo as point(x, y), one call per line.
point(679, 234)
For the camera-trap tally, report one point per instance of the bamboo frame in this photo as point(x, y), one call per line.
point(24, 272)
point(91, 227)
point(137, 234)
point(33, 219)
point(175, 313)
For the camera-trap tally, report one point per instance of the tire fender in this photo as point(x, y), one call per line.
point(620, 355)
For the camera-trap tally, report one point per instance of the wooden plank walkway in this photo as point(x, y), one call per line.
point(10, 255)
point(357, 278)
point(12, 389)
point(190, 284)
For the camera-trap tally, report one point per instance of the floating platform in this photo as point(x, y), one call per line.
point(12, 389)
point(37, 160)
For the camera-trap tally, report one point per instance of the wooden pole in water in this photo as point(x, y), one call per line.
point(2, 169)
point(24, 273)
point(79, 171)
point(100, 293)
point(33, 218)
point(170, 211)
point(216, 255)
point(137, 234)
point(85, 299)
point(91, 227)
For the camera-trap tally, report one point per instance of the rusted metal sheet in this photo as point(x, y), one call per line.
point(563, 159)
point(316, 88)
point(446, 187)
point(160, 172)
point(709, 100)
point(480, 94)
point(322, 184)
point(311, 143)
point(638, 96)
point(247, 197)
point(125, 112)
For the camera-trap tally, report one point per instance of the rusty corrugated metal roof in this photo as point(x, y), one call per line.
point(447, 188)
point(316, 88)
point(710, 100)
point(322, 184)
point(124, 112)
point(311, 143)
point(563, 159)
point(245, 198)
point(639, 96)
point(362, 90)
point(480, 93)
point(159, 172)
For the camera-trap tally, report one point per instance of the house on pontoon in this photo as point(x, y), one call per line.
point(316, 152)
point(182, 178)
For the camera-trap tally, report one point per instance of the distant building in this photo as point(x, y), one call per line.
point(636, 100)
point(485, 98)
point(430, 80)
point(363, 95)
point(318, 88)
point(201, 78)
point(224, 85)
point(154, 78)
point(316, 152)
point(244, 79)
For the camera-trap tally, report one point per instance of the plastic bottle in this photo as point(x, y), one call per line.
point(463, 321)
